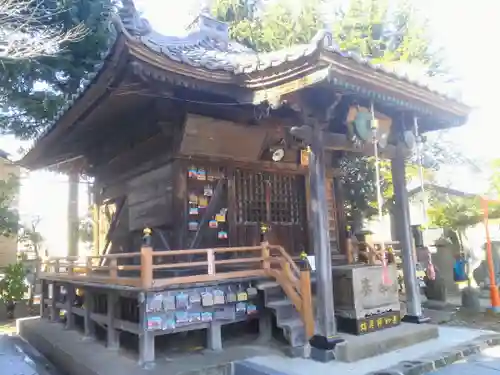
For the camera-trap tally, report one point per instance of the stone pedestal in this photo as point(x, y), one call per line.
point(471, 299)
point(436, 290)
point(363, 303)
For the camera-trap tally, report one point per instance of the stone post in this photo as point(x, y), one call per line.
point(402, 215)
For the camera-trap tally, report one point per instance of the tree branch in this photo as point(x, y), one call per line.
point(25, 34)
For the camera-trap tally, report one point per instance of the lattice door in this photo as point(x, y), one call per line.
point(287, 209)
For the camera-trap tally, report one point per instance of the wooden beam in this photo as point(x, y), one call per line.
point(264, 166)
point(112, 228)
point(163, 239)
point(340, 142)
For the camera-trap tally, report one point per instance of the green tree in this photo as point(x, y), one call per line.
point(33, 89)
point(25, 32)
point(31, 239)
point(9, 216)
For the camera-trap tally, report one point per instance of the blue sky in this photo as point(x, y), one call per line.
point(463, 27)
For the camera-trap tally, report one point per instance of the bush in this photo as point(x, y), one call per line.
point(13, 286)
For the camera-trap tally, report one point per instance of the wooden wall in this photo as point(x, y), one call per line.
point(149, 199)
point(157, 191)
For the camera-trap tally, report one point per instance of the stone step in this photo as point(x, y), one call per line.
point(292, 322)
point(283, 309)
point(268, 284)
point(293, 330)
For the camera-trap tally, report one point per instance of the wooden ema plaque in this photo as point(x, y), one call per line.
point(304, 157)
point(369, 324)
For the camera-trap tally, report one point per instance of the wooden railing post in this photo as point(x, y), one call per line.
point(266, 264)
point(88, 266)
point(211, 262)
point(307, 304)
point(113, 268)
point(146, 267)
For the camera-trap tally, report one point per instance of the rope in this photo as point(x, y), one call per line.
point(420, 168)
point(431, 272)
point(374, 126)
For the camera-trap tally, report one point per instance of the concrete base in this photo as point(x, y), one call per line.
point(322, 355)
point(471, 299)
point(67, 350)
point(415, 319)
point(356, 348)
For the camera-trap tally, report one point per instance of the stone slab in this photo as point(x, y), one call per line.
point(438, 363)
point(409, 358)
point(73, 355)
point(356, 348)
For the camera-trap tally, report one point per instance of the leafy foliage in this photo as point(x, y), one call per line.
point(13, 286)
point(9, 217)
point(268, 27)
point(32, 90)
point(31, 238)
point(455, 213)
point(26, 33)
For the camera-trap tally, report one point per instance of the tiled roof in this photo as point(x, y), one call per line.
point(201, 50)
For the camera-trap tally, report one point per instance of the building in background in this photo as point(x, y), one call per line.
point(8, 245)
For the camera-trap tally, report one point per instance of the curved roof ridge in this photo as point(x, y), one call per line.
point(202, 49)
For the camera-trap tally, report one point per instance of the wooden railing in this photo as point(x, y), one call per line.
point(254, 261)
point(295, 281)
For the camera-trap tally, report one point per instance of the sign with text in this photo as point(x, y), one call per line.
point(379, 322)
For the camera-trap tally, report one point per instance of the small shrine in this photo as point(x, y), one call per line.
point(216, 173)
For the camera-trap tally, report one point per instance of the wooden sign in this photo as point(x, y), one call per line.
point(369, 324)
point(377, 323)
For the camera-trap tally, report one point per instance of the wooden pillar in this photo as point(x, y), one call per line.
point(112, 337)
point(95, 204)
point(265, 326)
point(73, 218)
point(70, 301)
point(326, 338)
point(146, 337)
point(89, 324)
point(43, 296)
point(54, 299)
point(214, 337)
point(231, 205)
point(402, 213)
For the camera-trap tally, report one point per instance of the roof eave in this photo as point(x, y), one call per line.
point(34, 158)
point(391, 89)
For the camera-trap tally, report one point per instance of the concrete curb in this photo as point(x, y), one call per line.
point(434, 362)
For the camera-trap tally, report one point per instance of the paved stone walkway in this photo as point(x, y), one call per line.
point(486, 363)
point(19, 358)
